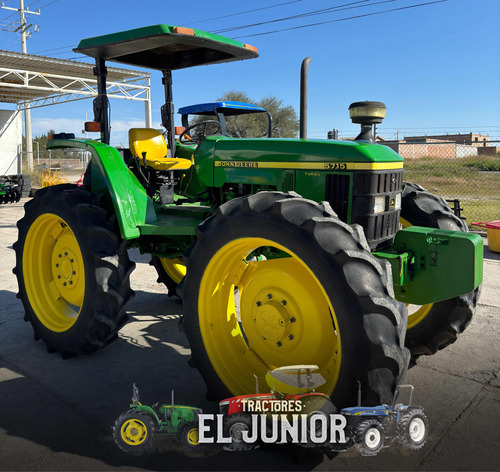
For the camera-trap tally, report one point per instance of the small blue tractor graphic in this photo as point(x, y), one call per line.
point(373, 427)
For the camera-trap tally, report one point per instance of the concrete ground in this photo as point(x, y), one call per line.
point(57, 414)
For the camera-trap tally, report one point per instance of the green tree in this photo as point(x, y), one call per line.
point(255, 125)
point(285, 122)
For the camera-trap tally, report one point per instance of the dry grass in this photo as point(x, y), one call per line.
point(475, 181)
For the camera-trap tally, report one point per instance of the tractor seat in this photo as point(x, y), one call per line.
point(152, 142)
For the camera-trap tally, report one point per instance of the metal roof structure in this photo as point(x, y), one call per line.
point(43, 81)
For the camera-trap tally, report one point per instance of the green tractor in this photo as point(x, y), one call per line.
point(292, 249)
point(135, 430)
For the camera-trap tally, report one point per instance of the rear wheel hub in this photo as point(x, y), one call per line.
point(272, 320)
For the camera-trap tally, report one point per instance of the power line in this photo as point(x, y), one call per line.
point(50, 3)
point(60, 52)
point(10, 16)
point(303, 15)
point(54, 49)
point(342, 19)
point(247, 11)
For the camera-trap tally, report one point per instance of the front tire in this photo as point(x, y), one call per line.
point(323, 300)
point(189, 436)
point(369, 437)
point(413, 429)
point(434, 326)
point(72, 269)
point(234, 426)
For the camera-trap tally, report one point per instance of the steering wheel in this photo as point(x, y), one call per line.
point(184, 137)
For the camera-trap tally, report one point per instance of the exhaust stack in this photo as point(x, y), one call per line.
point(304, 77)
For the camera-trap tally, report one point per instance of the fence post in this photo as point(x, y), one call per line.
point(50, 160)
point(19, 159)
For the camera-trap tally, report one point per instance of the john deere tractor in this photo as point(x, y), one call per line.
point(292, 248)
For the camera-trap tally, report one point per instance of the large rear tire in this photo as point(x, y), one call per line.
point(434, 326)
point(72, 269)
point(134, 432)
point(325, 301)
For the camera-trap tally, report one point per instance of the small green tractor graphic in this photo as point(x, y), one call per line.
point(135, 430)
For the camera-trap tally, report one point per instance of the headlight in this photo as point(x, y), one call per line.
point(379, 204)
point(397, 202)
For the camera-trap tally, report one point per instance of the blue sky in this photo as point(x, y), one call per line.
point(436, 67)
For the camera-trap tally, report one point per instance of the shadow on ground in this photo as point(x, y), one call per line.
point(69, 406)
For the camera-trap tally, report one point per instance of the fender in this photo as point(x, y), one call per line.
point(146, 409)
point(111, 176)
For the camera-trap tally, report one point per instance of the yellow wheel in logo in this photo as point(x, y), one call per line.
point(192, 436)
point(134, 432)
point(188, 435)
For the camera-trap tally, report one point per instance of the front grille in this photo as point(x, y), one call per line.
point(337, 194)
point(376, 183)
point(379, 228)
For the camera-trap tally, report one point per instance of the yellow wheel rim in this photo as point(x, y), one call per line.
point(256, 316)
point(192, 437)
point(54, 273)
point(134, 432)
point(416, 313)
point(174, 268)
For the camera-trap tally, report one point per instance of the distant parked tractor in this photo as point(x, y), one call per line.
point(373, 427)
point(291, 248)
point(135, 430)
point(10, 192)
point(13, 187)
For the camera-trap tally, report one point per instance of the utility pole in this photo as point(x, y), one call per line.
point(24, 29)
